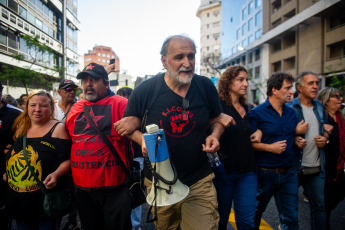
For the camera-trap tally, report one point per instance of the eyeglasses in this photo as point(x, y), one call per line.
point(69, 89)
point(185, 105)
point(337, 96)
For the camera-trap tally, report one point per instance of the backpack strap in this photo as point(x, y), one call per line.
point(153, 95)
point(201, 89)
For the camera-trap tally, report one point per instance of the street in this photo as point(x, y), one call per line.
point(271, 216)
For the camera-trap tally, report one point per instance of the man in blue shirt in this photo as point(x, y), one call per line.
point(275, 154)
point(312, 158)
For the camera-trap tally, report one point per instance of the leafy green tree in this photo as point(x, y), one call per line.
point(26, 76)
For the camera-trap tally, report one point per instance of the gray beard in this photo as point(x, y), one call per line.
point(91, 98)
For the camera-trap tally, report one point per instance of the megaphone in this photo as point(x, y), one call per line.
point(166, 188)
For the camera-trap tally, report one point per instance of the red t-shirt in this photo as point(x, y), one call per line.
point(93, 165)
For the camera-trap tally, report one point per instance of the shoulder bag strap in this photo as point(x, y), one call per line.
point(39, 183)
point(106, 141)
point(156, 87)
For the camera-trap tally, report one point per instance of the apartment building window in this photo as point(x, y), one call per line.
point(103, 55)
point(257, 72)
point(257, 54)
point(112, 56)
point(244, 28)
point(108, 55)
point(250, 8)
point(250, 24)
point(258, 18)
point(31, 18)
point(208, 36)
point(233, 50)
point(20, 23)
point(13, 19)
point(99, 54)
point(99, 59)
point(215, 36)
point(336, 22)
point(208, 14)
point(238, 31)
point(22, 46)
point(39, 23)
point(216, 13)
point(244, 13)
point(277, 66)
point(12, 40)
point(258, 34)
point(257, 3)
point(3, 36)
point(250, 57)
point(337, 50)
point(276, 5)
point(13, 5)
point(244, 43)
point(289, 63)
point(216, 24)
point(250, 39)
point(88, 59)
point(22, 12)
point(103, 60)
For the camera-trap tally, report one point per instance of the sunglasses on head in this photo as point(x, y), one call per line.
point(69, 89)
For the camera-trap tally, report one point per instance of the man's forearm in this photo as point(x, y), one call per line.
point(217, 130)
point(136, 136)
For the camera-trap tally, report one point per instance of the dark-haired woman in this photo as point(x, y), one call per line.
point(236, 179)
point(331, 99)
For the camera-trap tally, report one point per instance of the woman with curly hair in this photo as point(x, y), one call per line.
point(236, 179)
point(331, 99)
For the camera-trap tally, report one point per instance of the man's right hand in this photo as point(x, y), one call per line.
point(302, 127)
point(278, 147)
point(127, 125)
point(143, 147)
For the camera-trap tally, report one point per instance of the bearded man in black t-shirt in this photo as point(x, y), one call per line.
point(185, 107)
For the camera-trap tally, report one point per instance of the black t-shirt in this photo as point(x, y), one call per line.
point(24, 197)
point(236, 150)
point(332, 150)
point(184, 138)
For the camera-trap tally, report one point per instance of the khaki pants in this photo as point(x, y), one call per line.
point(199, 210)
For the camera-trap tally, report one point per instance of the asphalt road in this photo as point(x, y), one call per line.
point(272, 218)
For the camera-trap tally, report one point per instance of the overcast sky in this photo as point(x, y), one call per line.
point(136, 29)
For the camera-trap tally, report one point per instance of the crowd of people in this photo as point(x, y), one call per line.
point(266, 150)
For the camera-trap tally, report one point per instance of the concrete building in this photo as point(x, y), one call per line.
point(56, 24)
point(102, 55)
point(210, 16)
point(241, 26)
point(301, 35)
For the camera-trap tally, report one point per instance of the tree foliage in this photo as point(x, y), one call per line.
point(210, 60)
point(27, 76)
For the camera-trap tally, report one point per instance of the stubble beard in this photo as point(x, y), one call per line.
point(176, 77)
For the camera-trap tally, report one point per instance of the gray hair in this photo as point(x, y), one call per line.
point(326, 93)
point(299, 79)
point(165, 46)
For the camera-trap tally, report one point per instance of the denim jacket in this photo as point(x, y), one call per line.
point(321, 117)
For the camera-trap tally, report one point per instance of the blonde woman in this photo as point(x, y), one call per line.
point(48, 147)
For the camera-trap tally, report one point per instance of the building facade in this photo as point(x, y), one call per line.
point(210, 16)
point(241, 26)
point(300, 35)
point(102, 55)
point(54, 22)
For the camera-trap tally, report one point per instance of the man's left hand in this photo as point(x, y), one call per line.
point(321, 141)
point(211, 144)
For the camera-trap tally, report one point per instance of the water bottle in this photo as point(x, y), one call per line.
point(213, 158)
